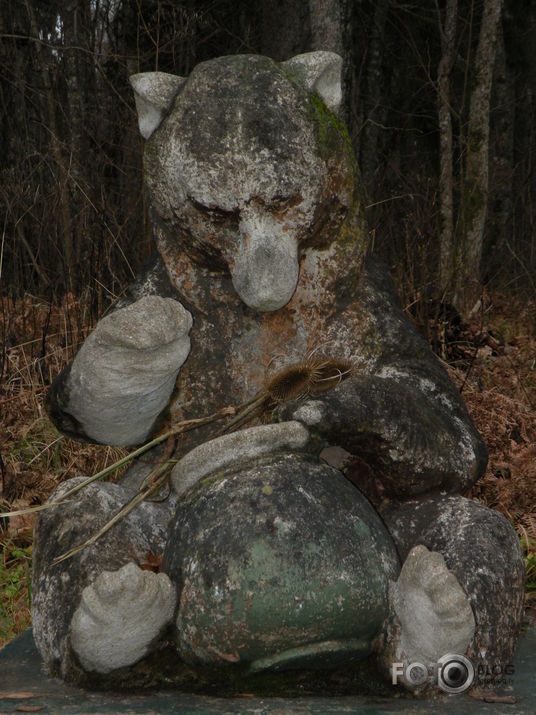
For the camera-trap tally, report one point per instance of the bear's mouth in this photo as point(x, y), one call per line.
point(264, 266)
point(265, 276)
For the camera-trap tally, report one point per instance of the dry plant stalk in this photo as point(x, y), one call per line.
point(152, 483)
point(185, 426)
point(306, 378)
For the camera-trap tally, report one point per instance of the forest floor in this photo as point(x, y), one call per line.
point(492, 360)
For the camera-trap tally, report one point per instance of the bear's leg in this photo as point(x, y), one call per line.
point(99, 610)
point(482, 553)
point(120, 382)
point(431, 617)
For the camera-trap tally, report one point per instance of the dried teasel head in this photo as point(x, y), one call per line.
point(290, 383)
point(329, 373)
point(295, 381)
point(307, 378)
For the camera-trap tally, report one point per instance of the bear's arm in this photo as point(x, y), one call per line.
point(401, 413)
point(118, 387)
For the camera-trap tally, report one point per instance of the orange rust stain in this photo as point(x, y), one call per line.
point(278, 329)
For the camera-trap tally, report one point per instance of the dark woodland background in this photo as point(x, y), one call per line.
point(72, 211)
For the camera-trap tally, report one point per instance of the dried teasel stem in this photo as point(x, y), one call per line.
point(309, 377)
point(151, 484)
point(247, 411)
point(160, 476)
point(181, 427)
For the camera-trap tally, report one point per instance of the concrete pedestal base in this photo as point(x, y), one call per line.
point(25, 688)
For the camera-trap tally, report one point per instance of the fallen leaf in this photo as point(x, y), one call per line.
point(153, 562)
point(488, 696)
point(18, 695)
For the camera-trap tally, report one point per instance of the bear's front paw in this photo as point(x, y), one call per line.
point(122, 378)
point(431, 617)
point(119, 616)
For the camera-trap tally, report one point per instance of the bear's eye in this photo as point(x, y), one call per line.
point(217, 214)
point(279, 205)
point(282, 203)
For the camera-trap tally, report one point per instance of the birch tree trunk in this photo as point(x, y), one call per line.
point(327, 25)
point(474, 199)
point(66, 225)
point(447, 246)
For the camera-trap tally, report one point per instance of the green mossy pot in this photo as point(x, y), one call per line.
point(283, 564)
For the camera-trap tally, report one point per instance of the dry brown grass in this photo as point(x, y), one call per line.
point(36, 340)
point(499, 388)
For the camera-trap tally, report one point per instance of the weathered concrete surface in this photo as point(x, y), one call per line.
point(57, 590)
point(122, 378)
point(233, 190)
point(273, 573)
point(482, 550)
point(431, 616)
point(250, 176)
point(154, 92)
point(153, 279)
point(433, 609)
point(400, 414)
point(246, 188)
point(119, 617)
point(321, 74)
point(24, 684)
point(236, 449)
point(265, 269)
point(255, 202)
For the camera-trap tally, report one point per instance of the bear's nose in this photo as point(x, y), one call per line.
point(265, 266)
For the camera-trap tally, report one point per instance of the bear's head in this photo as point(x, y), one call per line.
point(246, 166)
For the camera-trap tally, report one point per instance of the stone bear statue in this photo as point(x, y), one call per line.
point(273, 560)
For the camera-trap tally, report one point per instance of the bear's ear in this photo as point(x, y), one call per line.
point(321, 73)
point(154, 93)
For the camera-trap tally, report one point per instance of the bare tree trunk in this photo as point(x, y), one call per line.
point(327, 25)
point(289, 28)
point(286, 28)
point(74, 29)
point(499, 223)
point(374, 82)
point(331, 30)
point(447, 246)
point(474, 200)
point(523, 249)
